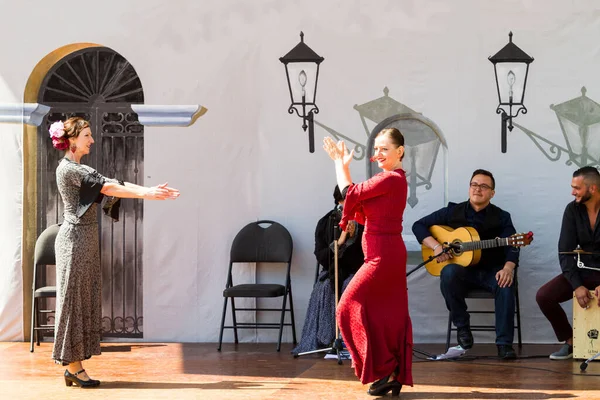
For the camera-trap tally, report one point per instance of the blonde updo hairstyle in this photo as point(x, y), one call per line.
point(72, 128)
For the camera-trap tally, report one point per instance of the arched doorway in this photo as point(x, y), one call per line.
point(100, 85)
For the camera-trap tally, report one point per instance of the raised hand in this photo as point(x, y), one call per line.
point(337, 151)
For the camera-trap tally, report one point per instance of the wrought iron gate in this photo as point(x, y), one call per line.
point(99, 85)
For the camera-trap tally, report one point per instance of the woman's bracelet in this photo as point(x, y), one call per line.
point(436, 246)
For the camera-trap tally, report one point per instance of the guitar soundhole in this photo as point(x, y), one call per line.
point(457, 251)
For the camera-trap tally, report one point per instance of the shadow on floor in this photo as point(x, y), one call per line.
point(108, 348)
point(481, 395)
point(223, 385)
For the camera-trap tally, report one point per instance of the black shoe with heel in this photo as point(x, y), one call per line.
point(384, 385)
point(71, 379)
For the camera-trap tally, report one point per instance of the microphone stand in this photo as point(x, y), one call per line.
point(581, 265)
point(337, 345)
point(446, 248)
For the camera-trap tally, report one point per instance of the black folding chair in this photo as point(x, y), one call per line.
point(44, 255)
point(257, 244)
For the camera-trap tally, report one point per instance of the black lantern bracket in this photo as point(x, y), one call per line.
point(507, 122)
point(510, 103)
point(303, 87)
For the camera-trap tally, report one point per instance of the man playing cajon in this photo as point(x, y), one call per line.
point(580, 230)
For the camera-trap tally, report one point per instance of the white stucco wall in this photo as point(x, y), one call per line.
point(248, 159)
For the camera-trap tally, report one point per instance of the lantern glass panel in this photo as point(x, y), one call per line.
point(424, 159)
point(303, 77)
point(511, 81)
point(592, 141)
point(572, 135)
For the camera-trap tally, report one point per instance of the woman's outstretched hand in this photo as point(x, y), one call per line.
point(162, 192)
point(337, 151)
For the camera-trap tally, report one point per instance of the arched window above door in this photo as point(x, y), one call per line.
point(92, 75)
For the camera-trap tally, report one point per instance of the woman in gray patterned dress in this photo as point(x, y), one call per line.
point(78, 317)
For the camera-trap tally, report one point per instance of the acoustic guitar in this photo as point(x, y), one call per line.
point(466, 246)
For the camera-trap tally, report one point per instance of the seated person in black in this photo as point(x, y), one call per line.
point(319, 325)
point(580, 229)
point(495, 270)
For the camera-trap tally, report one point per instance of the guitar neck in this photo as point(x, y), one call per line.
point(484, 244)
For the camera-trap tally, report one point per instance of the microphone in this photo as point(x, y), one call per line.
point(337, 217)
point(454, 246)
point(337, 212)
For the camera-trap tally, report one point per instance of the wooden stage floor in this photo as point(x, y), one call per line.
point(256, 371)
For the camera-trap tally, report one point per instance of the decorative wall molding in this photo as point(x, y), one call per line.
point(163, 115)
point(149, 115)
point(23, 113)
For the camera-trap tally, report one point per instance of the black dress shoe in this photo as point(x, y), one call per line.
point(71, 379)
point(383, 386)
point(464, 337)
point(506, 352)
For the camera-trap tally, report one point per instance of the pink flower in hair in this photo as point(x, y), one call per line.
point(57, 130)
point(60, 143)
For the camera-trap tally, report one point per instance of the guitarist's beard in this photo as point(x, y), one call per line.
point(584, 198)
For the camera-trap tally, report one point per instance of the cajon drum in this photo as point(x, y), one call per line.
point(586, 325)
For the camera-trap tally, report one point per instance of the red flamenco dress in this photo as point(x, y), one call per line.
point(373, 311)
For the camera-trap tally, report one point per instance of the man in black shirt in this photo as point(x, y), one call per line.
point(580, 229)
point(495, 270)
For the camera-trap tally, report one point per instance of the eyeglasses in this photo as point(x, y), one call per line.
point(483, 186)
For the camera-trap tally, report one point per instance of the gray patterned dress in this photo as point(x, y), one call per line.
point(78, 316)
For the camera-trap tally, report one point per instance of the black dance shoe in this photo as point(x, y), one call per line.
point(383, 386)
point(71, 379)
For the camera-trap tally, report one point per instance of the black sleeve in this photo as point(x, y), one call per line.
point(440, 217)
point(568, 241)
point(322, 251)
point(89, 192)
point(112, 205)
point(508, 229)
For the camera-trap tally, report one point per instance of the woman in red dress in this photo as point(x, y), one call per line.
point(373, 311)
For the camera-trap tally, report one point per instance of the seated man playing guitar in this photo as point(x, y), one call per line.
point(579, 233)
point(494, 271)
